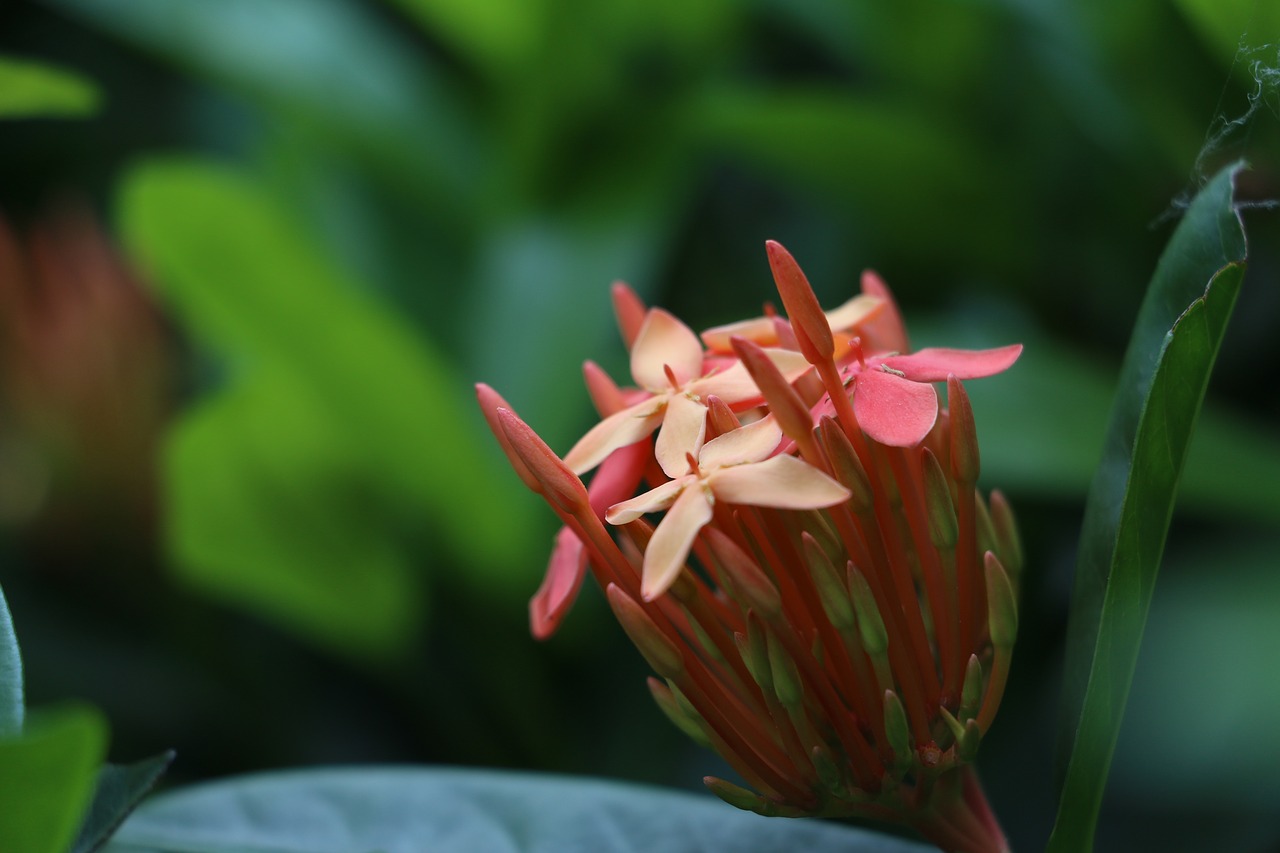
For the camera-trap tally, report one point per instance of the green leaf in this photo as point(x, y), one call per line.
point(1165, 373)
point(47, 777)
point(383, 101)
point(120, 789)
point(266, 509)
point(1228, 26)
point(12, 706)
point(407, 810)
point(324, 376)
point(498, 36)
point(35, 90)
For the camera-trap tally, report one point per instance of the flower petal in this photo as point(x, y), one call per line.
point(761, 330)
point(750, 443)
point(885, 332)
point(617, 430)
point(674, 536)
point(618, 476)
point(655, 500)
point(856, 310)
point(735, 384)
point(565, 571)
point(663, 341)
point(893, 410)
point(683, 430)
point(783, 482)
point(933, 364)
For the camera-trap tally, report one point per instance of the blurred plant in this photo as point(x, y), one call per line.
point(845, 662)
point(85, 391)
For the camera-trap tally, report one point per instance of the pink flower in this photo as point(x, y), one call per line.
point(667, 362)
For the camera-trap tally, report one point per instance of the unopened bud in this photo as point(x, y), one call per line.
point(665, 699)
point(559, 484)
point(629, 310)
point(490, 403)
point(828, 771)
point(896, 729)
point(808, 321)
point(739, 797)
point(605, 394)
point(965, 462)
point(747, 580)
point(785, 404)
point(831, 589)
point(754, 648)
point(1002, 604)
point(875, 639)
point(786, 678)
point(846, 465)
point(1008, 542)
point(942, 513)
point(971, 692)
point(720, 417)
point(662, 654)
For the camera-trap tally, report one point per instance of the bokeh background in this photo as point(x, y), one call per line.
point(248, 509)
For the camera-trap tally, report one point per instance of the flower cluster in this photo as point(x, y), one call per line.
point(827, 600)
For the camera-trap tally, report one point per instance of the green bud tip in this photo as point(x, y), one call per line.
point(1002, 605)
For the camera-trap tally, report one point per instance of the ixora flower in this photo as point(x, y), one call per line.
point(827, 600)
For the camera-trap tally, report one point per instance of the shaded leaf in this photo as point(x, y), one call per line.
point(379, 97)
point(1166, 370)
point(35, 90)
point(46, 779)
point(339, 383)
point(12, 705)
point(267, 508)
point(120, 789)
point(407, 810)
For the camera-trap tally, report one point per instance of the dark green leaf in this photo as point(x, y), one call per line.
point(46, 779)
point(35, 90)
point(343, 420)
point(1166, 370)
point(12, 706)
point(120, 789)
point(406, 810)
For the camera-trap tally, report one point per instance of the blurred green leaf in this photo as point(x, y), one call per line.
point(860, 152)
point(120, 789)
point(1056, 396)
point(268, 506)
point(498, 36)
point(338, 383)
point(12, 705)
point(330, 64)
point(1166, 371)
point(1229, 26)
point(35, 90)
point(1214, 620)
point(406, 810)
point(47, 777)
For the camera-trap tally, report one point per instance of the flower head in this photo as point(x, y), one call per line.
point(828, 601)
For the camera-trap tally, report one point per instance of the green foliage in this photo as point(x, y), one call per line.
point(1162, 386)
point(293, 489)
point(47, 779)
point(36, 90)
point(119, 791)
point(398, 810)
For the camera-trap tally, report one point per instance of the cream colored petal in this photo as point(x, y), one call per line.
point(669, 548)
point(749, 443)
point(761, 330)
point(665, 341)
point(683, 430)
point(618, 430)
point(783, 482)
point(855, 311)
point(655, 500)
point(735, 385)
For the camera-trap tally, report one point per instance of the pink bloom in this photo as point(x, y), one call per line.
point(667, 362)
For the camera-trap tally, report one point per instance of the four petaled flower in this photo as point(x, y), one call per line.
point(667, 362)
point(736, 468)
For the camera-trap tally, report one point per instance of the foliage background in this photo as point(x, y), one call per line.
point(304, 549)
